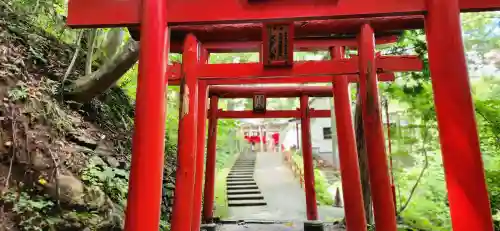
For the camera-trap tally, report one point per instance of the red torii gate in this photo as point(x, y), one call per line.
point(387, 64)
point(349, 164)
point(468, 199)
point(399, 63)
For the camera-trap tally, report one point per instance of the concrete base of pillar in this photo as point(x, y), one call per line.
point(208, 227)
point(313, 226)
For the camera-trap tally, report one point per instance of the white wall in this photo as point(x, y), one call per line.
point(317, 139)
point(321, 146)
point(288, 136)
point(326, 148)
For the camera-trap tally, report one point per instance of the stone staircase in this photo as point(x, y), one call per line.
point(242, 190)
point(331, 174)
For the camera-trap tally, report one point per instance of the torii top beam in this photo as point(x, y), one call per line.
point(247, 37)
point(197, 12)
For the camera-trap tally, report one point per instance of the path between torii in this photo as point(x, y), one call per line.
point(284, 196)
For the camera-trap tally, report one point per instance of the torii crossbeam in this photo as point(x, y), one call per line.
point(313, 71)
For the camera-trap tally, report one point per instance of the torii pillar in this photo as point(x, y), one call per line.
point(208, 194)
point(463, 165)
point(200, 148)
point(186, 152)
point(348, 154)
point(380, 184)
point(146, 171)
point(312, 209)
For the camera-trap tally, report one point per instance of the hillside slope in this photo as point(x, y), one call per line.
point(63, 166)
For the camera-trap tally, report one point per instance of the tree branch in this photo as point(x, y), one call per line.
point(90, 51)
point(73, 60)
point(56, 173)
point(86, 87)
point(426, 165)
point(488, 121)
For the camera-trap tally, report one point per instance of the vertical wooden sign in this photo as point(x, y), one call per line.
point(259, 103)
point(277, 40)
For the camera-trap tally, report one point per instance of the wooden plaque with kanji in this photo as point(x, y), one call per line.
point(259, 103)
point(277, 44)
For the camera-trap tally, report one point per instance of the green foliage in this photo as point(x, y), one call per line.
point(114, 110)
point(488, 112)
point(481, 36)
point(227, 141)
point(36, 213)
point(411, 95)
point(321, 185)
point(113, 181)
point(18, 93)
point(33, 212)
point(164, 225)
point(428, 210)
point(492, 179)
point(234, 58)
point(48, 15)
point(220, 200)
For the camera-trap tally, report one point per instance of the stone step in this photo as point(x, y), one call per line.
point(245, 197)
point(247, 174)
point(243, 192)
point(240, 176)
point(241, 171)
point(239, 179)
point(242, 187)
point(241, 203)
point(234, 176)
point(244, 166)
point(231, 183)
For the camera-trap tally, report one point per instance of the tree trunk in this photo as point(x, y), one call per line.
point(87, 87)
point(363, 159)
point(113, 41)
point(90, 51)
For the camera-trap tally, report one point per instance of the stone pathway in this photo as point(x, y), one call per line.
point(282, 192)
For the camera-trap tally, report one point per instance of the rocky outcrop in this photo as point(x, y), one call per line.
point(67, 189)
